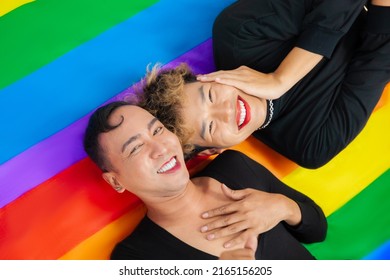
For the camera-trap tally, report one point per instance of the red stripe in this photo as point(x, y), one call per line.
point(54, 217)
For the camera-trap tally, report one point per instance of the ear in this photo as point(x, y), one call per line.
point(210, 152)
point(110, 178)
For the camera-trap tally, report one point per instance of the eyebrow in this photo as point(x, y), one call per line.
point(151, 123)
point(203, 98)
point(135, 137)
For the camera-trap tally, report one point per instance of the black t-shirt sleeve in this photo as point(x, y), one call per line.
point(238, 171)
point(326, 23)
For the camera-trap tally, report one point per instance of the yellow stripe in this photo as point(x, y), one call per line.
point(365, 159)
point(100, 245)
point(7, 6)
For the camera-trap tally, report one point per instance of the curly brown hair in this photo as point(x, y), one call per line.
point(161, 93)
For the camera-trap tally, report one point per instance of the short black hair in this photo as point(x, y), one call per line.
point(98, 123)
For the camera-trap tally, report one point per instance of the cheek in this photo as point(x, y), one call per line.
point(191, 116)
point(225, 91)
point(228, 138)
point(172, 140)
point(135, 173)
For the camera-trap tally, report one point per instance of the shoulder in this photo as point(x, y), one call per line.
point(236, 170)
point(134, 246)
point(236, 163)
point(230, 159)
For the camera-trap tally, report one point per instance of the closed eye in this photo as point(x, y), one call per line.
point(158, 130)
point(136, 149)
point(210, 96)
point(211, 127)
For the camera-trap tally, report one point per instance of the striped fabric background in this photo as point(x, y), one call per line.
point(59, 60)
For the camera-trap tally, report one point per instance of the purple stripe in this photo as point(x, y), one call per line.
point(51, 156)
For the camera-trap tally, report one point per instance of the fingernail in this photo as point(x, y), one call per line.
point(227, 245)
point(210, 236)
point(203, 229)
point(205, 215)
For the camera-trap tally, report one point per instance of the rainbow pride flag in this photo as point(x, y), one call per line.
point(60, 60)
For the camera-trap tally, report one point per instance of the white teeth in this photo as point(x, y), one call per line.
point(168, 166)
point(242, 112)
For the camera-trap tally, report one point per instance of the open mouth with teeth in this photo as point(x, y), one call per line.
point(243, 113)
point(169, 166)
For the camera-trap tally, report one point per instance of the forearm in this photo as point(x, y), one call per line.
point(385, 3)
point(297, 64)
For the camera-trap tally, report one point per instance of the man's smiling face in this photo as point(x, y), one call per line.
point(220, 115)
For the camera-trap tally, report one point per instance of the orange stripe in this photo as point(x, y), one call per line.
point(100, 245)
point(279, 165)
point(54, 217)
point(385, 98)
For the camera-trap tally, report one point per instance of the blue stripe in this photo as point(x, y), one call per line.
point(65, 90)
point(381, 253)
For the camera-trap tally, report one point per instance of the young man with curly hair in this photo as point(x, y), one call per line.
point(314, 71)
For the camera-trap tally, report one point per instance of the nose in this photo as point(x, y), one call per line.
point(158, 148)
point(223, 111)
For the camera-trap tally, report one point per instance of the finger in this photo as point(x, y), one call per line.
point(246, 236)
point(221, 211)
point(252, 243)
point(237, 82)
point(236, 241)
point(241, 84)
point(209, 76)
point(206, 78)
point(228, 75)
point(241, 238)
point(234, 194)
point(227, 231)
point(238, 254)
point(222, 222)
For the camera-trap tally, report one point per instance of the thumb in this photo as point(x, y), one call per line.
point(233, 194)
point(251, 243)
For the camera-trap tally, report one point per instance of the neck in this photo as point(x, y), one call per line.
point(171, 210)
point(268, 112)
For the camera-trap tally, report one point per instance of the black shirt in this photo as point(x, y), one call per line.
point(150, 241)
point(327, 109)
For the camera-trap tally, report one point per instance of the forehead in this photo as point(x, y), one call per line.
point(193, 101)
point(192, 89)
point(195, 109)
point(130, 115)
point(130, 120)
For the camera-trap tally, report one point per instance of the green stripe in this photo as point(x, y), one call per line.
point(360, 226)
point(38, 33)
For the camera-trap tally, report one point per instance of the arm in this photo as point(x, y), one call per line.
point(383, 3)
point(324, 24)
point(297, 64)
